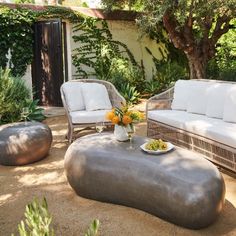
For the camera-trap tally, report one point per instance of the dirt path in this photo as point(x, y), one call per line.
point(72, 214)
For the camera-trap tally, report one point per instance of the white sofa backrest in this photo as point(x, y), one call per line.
point(211, 98)
point(182, 93)
point(73, 96)
point(216, 99)
point(197, 102)
point(230, 105)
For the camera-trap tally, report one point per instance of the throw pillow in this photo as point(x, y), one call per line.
point(73, 96)
point(95, 97)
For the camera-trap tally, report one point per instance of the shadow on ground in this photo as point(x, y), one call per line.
point(72, 214)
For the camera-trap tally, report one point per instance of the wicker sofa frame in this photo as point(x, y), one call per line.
point(216, 152)
point(115, 98)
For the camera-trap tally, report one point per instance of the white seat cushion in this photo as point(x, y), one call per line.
point(230, 105)
point(73, 96)
point(216, 99)
point(95, 97)
point(87, 117)
point(197, 101)
point(182, 91)
point(215, 129)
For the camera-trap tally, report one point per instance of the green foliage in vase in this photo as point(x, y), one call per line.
point(104, 57)
point(14, 95)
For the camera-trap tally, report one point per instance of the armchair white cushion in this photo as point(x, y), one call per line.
point(73, 96)
point(96, 97)
point(87, 117)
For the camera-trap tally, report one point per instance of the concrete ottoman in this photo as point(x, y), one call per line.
point(179, 186)
point(24, 142)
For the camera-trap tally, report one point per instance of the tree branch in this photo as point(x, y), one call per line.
point(171, 26)
point(222, 26)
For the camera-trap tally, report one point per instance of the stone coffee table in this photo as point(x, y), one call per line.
point(24, 142)
point(180, 186)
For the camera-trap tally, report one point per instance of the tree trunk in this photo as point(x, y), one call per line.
point(197, 67)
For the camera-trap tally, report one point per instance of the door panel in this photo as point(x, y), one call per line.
point(47, 69)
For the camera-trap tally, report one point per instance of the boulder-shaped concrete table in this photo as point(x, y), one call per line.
point(180, 186)
point(24, 142)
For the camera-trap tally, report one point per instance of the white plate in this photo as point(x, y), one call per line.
point(170, 146)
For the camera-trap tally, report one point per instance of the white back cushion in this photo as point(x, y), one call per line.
point(197, 102)
point(95, 97)
point(216, 100)
point(182, 91)
point(230, 105)
point(73, 96)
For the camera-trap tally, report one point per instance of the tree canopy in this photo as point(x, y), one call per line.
point(193, 26)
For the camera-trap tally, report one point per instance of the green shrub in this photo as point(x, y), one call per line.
point(122, 73)
point(167, 72)
point(93, 228)
point(35, 113)
point(223, 65)
point(130, 94)
point(14, 95)
point(38, 220)
point(151, 87)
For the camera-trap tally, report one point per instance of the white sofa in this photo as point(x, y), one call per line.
point(199, 115)
point(87, 101)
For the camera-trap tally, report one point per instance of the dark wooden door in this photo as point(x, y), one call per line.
point(47, 69)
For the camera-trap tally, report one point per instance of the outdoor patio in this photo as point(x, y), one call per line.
point(72, 214)
point(162, 70)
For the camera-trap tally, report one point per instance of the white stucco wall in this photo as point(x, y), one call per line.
point(123, 31)
point(28, 78)
point(127, 33)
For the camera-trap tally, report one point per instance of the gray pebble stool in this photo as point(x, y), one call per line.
point(24, 142)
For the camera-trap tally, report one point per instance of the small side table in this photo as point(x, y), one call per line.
point(24, 142)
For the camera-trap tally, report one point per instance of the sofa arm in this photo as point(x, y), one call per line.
point(160, 101)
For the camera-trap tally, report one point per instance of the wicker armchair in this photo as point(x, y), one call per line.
point(217, 152)
point(115, 98)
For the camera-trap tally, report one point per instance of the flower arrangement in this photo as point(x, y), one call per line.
point(124, 116)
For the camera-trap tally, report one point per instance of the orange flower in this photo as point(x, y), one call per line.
point(115, 120)
point(110, 115)
point(126, 120)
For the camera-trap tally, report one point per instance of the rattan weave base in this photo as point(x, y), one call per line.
point(216, 152)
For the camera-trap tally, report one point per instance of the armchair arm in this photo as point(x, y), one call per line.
point(160, 101)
